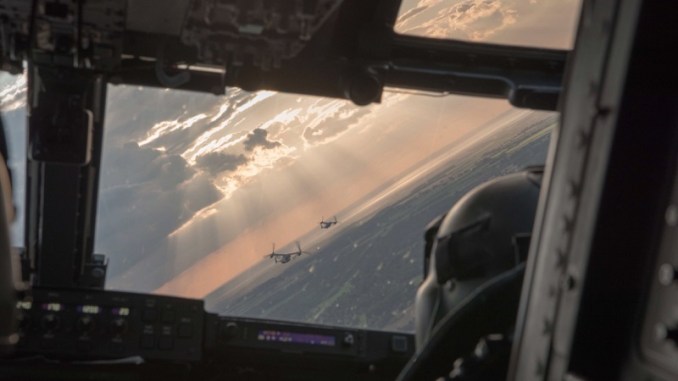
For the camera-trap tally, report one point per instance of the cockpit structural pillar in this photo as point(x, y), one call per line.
point(65, 129)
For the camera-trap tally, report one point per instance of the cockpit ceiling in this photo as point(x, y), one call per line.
point(164, 17)
point(214, 31)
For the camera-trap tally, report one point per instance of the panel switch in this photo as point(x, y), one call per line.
point(399, 344)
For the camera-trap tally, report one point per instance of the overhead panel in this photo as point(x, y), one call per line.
point(259, 33)
point(157, 16)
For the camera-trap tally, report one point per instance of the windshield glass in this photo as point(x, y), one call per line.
point(196, 190)
point(13, 108)
point(534, 23)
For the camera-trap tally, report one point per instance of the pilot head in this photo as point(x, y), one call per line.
point(485, 234)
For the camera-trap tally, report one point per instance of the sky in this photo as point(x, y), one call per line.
point(379, 156)
point(195, 188)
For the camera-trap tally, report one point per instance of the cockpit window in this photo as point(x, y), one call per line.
point(13, 108)
point(293, 207)
point(533, 23)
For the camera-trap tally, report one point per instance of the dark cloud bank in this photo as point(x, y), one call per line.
point(145, 190)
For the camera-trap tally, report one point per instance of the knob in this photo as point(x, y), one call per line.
point(667, 274)
point(118, 326)
point(84, 325)
point(228, 331)
point(348, 340)
point(50, 322)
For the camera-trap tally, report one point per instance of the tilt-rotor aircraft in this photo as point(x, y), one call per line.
point(589, 302)
point(285, 257)
point(327, 224)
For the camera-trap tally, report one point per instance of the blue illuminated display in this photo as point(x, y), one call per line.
point(88, 309)
point(120, 311)
point(296, 338)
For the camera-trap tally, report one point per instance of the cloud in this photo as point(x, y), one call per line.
point(15, 130)
point(12, 92)
point(259, 138)
point(330, 120)
point(168, 126)
point(217, 162)
point(427, 3)
point(405, 16)
point(145, 194)
point(324, 134)
point(149, 209)
point(134, 165)
point(232, 128)
point(475, 20)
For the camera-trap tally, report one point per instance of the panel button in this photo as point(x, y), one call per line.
point(165, 342)
point(227, 330)
point(147, 341)
point(84, 325)
point(51, 322)
point(185, 330)
point(166, 330)
point(149, 315)
point(399, 344)
point(118, 327)
point(168, 316)
point(348, 340)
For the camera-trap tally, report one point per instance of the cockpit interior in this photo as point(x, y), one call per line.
point(494, 180)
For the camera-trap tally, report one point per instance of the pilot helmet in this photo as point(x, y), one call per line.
point(485, 234)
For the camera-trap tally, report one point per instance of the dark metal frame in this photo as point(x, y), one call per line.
point(608, 189)
point(61, 196)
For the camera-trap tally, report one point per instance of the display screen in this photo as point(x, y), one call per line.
point(297, 338)
point(54, 307)
point(120, 311)
point(88, 309)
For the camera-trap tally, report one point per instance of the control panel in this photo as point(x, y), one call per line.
point(261, 334)
point(231, 30)
point(271, 348)
point(107, 325)
point(76, 326)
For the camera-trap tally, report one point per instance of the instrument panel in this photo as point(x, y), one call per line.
point(275, 349)
point(288, 337)
point(104, 324)
point(87, 326)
